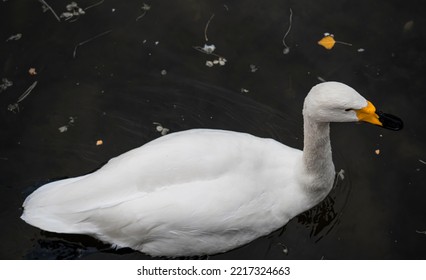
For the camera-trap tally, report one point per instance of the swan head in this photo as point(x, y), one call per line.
point(337, 102)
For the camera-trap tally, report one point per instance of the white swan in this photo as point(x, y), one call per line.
point(201, 192)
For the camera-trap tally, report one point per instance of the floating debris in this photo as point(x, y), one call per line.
point(94, 5)
point(145, 8)
point(421, 232)
point(244, 90)
point(285, 249)
point(73, 7)
point(15, 106)
point(73, 12)
point(328, 41)
point(209, 63)
point(15, 37)
point(208, 49)
point(341, 174)
point(221, 61)
point(46, 8)
point(5, 83)
point(99, 142)
point(286, 49)
point(207, 26)
point(321, 79)
point(253, 68)
point(89, 40)
point(422, 161)
point(377, 152)
point(32, 71)
point(64, 128)
point(160, 128)
point(360, 50)
point(163, 72)
point(67, 15)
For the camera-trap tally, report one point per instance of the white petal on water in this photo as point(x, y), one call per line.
point(208, 49)
point(321, 79)
point(62, 129)
point(209, 63)
point(14, 37)
point(253, 68)
point(341, 174)
point(165, 131)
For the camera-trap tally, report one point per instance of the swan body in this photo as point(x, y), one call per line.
point(201, 191)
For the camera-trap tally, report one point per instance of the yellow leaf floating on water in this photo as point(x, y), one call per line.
point(327, 42)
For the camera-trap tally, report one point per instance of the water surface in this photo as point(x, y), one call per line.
point(107, 76)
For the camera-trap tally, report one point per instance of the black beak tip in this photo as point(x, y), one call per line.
point(390, 121)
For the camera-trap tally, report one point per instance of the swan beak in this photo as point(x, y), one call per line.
point(371, 115)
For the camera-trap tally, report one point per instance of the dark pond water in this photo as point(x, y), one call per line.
point(106, 76)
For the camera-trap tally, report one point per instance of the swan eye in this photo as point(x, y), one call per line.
point(348, 110)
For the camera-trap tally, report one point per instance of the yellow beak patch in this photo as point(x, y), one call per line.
point(368, 114)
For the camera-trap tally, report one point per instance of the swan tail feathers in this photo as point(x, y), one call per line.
point(46, 209)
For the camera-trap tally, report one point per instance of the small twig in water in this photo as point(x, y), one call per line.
point(50, 9)
point(206, 51)
point(94, 5)
point(15, 106)
point(14, 37)
point(141, 16)
point(145, 9)
point(422, 161)
point(286, 49)
point(207, 26)
point(27, 92)
point(88, 40)
point(421, 232)
point(344, 43)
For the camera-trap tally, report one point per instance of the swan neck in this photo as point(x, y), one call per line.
point(317, 157)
